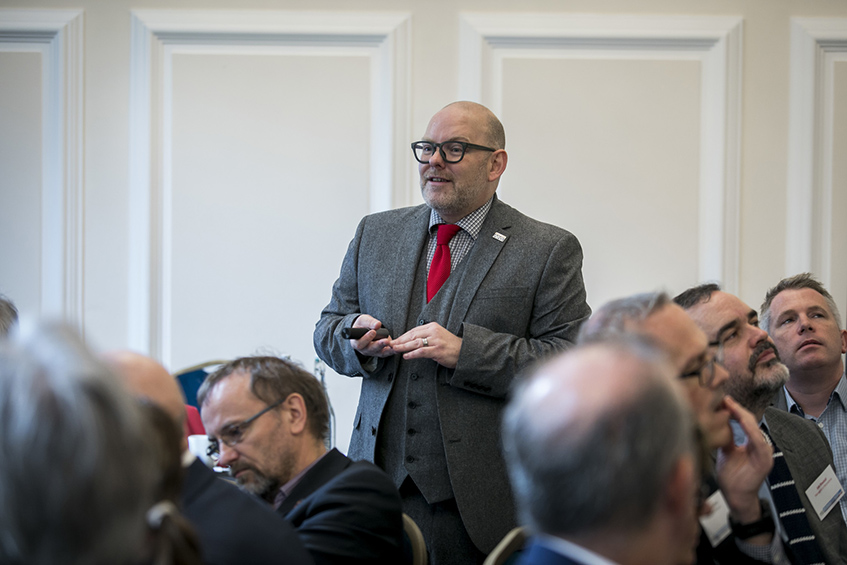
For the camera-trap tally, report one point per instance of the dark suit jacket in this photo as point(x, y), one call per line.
point(347, 512)
point(234, 527)
point(538, 554)
point(520, 296)
point(807, 453)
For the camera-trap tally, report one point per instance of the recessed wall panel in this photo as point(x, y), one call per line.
point(270, 178)
point(609, 149)
point(839, 187)
point(20, 178)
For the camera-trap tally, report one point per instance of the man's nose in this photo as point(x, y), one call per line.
point(758, 335)
point(805, 324)
point(721, 376)
point(226, 455)
point(436, 160)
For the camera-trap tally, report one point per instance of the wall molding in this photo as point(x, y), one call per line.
point(156, 35)
point(58, 36)
point(816, 45)
point(486, 39)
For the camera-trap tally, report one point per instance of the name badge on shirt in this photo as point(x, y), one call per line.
point(499, 236)
point(716, 522)
point(825, 492)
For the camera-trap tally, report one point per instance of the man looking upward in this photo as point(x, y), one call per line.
point(803, 320)
point(755, 375)
point(740, 469)
point(470, 291)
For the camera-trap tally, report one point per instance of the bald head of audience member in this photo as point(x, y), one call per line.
point(655, 317)
point(76, 476)
point(599, 443)
point(146, 378)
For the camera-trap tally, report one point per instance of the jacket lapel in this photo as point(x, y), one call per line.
point(495, 232)
point(402, 276)
point(330, 465)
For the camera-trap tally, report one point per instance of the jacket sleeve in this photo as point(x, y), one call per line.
point(489, 359)
point(341, 312)
point(355, 519)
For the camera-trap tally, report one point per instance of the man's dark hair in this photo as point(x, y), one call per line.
point(273, 379)
point(696, 294)
point(8, 316)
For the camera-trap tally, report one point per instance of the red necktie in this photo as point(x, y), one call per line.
point(439, 270)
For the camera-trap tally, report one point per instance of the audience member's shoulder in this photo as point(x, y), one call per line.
point(204, 494)
point(235, 527)
point(367, 476)
point(789, 422)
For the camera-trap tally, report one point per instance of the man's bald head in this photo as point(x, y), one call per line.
point(485, 118)
point(592, 437)
point(146, 378)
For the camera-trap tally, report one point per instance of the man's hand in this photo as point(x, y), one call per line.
point(741, 469)
point(430, 341)
point(366, 345)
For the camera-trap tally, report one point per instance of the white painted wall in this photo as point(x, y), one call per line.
point(186, 182)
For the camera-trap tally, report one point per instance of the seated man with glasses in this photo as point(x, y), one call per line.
point(267, 420)
point(470, 291)
point(232, 527)
point(741, 470)
point(756, 374)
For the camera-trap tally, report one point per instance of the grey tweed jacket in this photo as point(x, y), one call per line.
point(807, 454)
point(520, 296)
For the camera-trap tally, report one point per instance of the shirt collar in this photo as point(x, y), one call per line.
point(570, 549)
point(289, 486)
point(472, 223)
point(839, 394)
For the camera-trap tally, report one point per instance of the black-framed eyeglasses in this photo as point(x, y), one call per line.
point(234, 433)
point(451, 151)
point(705, 374)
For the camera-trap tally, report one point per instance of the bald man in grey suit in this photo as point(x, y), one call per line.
point(433, 391)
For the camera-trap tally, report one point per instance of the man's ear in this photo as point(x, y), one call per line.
point(295, 408)
point(843, 341)
point(682, 488)
point(498, 164)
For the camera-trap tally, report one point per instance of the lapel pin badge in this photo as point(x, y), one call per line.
point(499, 237)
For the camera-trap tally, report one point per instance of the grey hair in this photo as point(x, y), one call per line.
point(606, 472)
point(616, 316)
point(75, 476)
point(8, 316)
point(797, 282)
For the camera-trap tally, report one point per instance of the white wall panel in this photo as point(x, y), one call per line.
point(815, 237)
point(684, 86)
point(838, 270)
point(42, 253)
point(20, 183)
point(259, 140)
point(623, 153)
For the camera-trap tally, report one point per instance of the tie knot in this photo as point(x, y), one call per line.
point(446, 233)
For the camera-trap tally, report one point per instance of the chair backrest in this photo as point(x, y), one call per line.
point(508, 549)
point(414, 546)
point(192, 377)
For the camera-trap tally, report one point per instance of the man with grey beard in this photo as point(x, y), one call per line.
point(802, 456)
